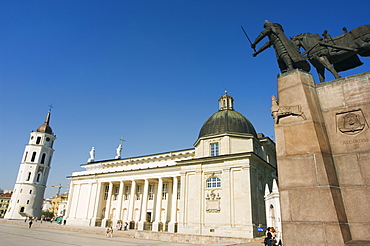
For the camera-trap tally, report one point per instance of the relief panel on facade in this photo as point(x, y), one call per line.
point(278, 111)
point(351, 122)
point(213, 202)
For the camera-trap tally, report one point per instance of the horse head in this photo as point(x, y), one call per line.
point(297, 40)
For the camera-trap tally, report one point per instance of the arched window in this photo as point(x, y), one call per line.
point(38, 140)
point(25, 156)
point(38, 177)
point(29, 176)
point(21, 210)
point(33, 156)
point(43, 158)
point(213, 182)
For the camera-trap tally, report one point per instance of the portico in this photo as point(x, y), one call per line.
point(146, 200)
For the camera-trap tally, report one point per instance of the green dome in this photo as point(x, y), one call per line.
point(227, 121)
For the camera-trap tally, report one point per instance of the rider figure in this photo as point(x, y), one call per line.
point(287, 55)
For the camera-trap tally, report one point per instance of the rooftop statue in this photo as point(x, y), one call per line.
point(92, 155)
point(335, 54)
point(118, 151)
point(287, 55)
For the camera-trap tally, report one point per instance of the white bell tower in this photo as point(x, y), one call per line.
point(30, 185)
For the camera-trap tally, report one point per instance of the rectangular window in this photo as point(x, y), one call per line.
point(116, 191)
point(164, 192)
point(106, 192)
point(178, 190)
point(127, 192)
point(151, 192)
point(214, 149)
point(138, 191)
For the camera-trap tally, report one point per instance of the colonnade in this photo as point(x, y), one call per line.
point(129, 201)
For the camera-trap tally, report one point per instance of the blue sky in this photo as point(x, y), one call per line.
point(151, 71)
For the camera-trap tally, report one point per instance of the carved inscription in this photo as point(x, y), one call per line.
point(355, 142)
point(351, 122)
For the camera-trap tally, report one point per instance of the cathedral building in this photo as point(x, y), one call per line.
point(215, 188)
point(30, 185)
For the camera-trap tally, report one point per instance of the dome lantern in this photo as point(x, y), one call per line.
point(226, 102)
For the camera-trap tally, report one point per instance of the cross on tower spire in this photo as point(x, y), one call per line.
point(50, 107)
point(122, 140)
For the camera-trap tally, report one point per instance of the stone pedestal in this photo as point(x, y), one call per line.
point(140, 225)
point(322, 142)
point(157, 226)
point(105, 222)
point(172, 227)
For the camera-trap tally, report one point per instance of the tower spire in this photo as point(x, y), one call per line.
point(46, 127)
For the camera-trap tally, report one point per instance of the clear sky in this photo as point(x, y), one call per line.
point(151, 71)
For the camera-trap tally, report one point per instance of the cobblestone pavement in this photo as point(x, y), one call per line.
point(17, 233)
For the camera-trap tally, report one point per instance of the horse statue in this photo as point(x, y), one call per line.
point(341, 51)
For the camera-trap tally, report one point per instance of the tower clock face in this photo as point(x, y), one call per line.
point(47, 139)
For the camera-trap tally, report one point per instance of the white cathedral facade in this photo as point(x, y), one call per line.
point(29, 188)
point(215, 188)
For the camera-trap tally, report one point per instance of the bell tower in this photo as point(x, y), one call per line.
point(33, 173)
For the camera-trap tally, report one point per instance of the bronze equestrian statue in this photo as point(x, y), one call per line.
point(335, 54)
point(288, 56)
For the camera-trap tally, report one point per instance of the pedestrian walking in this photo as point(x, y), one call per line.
point(109, 232)
point(30, 224)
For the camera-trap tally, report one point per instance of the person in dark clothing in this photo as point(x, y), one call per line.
point(30, 224)
point(270, 237)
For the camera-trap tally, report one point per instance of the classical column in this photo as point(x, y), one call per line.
point(119, 206)
point(132, 202)
point(172, 225)
point(158, 206)
point(107, 207)
point(144, 206)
